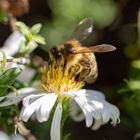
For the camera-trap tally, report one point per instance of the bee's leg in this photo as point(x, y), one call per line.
point(75, 70)
point(85, 69)
point(92, 76)
point(84, 74)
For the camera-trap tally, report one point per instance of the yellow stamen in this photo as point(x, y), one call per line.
point(59, 80)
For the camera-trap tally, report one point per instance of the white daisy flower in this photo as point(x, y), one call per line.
point(57, 86)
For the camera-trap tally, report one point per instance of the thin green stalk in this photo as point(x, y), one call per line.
point(65, 114)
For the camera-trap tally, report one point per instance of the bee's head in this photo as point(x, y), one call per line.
point(59, 55)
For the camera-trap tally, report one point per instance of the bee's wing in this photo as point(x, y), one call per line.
point(83, 29)
point(102, 48)
point(96, 49)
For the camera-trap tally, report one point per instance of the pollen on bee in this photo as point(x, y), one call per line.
point(59, 80)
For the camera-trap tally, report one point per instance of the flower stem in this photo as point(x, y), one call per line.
point(65, 114)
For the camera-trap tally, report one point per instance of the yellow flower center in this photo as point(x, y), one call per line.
point(59, 80)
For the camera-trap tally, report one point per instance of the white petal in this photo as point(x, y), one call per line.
point(114, 113)
point(80, 98)
point(97, 124)
point(106, 115)
point(95, 94)
point(11, 45)
point(29, 109)
point(10, 65)
point(56, 123)
point(86, 111)
point(76, 112)
point(94, 106)
point(43, 112)
point(28, 91)
point(16, 137)
point(4, 136)
point(13, 98)
point(31, 98)
point(26, 75)
point(107, 110)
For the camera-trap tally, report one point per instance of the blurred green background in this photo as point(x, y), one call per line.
point(116, 22)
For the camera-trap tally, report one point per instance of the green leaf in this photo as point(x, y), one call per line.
point(134, 85)
point(23, 28)
point(36, 28)
point(22, 46)
point(10, 87)
point(39, 39)
point(30, 47)
point(8, 77)
point(136, 64)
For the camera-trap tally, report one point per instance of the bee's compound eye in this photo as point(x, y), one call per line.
point(58, 56)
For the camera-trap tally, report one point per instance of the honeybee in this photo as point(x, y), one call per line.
point(72, 54)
